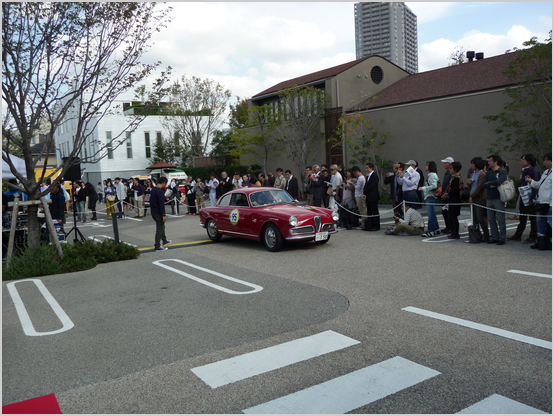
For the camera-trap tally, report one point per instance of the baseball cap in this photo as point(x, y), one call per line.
point(447, 160)
point(411, 162)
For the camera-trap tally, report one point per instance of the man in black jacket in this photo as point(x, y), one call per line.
point(446, 180)
point(57, 206)
point(157, 209)
point(371, 196)
point(226, 183)
point(319, 189)
point(292, 184)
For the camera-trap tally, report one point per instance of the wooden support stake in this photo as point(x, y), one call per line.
point(12, 231)
point(51, 227)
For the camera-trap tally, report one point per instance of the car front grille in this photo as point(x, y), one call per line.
point(301, 230)
point(317, 222)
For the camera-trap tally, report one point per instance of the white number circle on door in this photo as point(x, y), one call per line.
point(234, 216)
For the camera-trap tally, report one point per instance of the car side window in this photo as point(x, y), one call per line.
point(225, 201)
point(239, 200)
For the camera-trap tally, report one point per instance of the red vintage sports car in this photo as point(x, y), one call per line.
point(269, 215)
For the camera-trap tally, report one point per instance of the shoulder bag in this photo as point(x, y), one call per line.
point(507, 191)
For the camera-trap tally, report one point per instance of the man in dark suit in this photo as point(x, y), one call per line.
point(319, 189)
point(371, 196)
point(292, 184)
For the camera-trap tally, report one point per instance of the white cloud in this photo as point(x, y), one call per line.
point(435, 54)
point(427, 12)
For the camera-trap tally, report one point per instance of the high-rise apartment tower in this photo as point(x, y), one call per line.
point(388, 30)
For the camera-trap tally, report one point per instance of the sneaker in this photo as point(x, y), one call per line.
point(160, 248)
point(491, 241)
point(359, 228)
point(166, 242)
point(500, 242)
point(428, 234)
point(446, 231)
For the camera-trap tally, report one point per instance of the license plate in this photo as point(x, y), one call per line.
point(321, 236)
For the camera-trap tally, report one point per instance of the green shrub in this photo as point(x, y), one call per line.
point(43, 259)
point(40, 260)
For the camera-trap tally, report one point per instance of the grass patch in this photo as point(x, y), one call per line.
point(43, 260)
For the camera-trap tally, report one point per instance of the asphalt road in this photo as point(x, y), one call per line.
point(319, 322)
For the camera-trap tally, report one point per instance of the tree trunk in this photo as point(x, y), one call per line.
point(33, 229)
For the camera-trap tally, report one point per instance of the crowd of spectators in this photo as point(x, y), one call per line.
point(355, 194)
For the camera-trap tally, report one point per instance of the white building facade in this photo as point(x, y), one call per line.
point(130, 150)
point(388, 30)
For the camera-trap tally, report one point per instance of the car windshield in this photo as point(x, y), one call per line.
point(274, 196)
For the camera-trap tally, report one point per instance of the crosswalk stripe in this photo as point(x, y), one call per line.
point(257, 362)
point(480, 327)
point(499, 405)
point(549, 276)
point(351, 391)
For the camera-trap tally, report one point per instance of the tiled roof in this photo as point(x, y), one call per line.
point(161, 165)
point(37, 148)
point(314, 76)
point(480, 75)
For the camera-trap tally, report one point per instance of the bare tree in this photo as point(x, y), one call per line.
point(67, 62)
point(299, 119)
point(197, 112)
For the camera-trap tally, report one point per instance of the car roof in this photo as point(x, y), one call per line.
point(248, 191)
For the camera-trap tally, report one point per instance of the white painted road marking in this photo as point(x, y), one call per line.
point(255, 288)
point(549, 276)
point(258, 362)
point(499, 405)
point(485, 328)
point(351, 391)
point(24, 317)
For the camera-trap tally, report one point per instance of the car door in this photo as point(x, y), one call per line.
point(223, 222)
point(240, 216)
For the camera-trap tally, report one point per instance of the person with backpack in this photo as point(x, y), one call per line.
point(431, 191)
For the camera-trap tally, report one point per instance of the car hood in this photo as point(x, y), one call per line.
point(298, 210)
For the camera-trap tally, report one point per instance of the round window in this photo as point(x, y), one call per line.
point(376, 74)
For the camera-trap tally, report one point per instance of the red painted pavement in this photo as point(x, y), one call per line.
point(39, 405)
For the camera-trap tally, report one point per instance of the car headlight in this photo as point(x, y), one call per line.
point(335, 216)
point(293, 221)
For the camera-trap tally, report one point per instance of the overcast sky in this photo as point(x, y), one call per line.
point(249, 47)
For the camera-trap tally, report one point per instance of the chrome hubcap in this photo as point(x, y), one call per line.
point(212, 228)
point(270, 237)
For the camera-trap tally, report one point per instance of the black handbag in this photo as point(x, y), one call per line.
point(475, 235)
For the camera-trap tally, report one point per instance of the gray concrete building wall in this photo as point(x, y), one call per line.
point(356, 83)
point(440, 128)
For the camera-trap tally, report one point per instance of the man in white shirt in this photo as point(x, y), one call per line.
point(237, 181)
point(408, 178)
point(337, 183)
point(120, 194)
point(359, 193)
point(212, 186)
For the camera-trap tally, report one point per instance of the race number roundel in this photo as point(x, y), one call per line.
point(234, 216)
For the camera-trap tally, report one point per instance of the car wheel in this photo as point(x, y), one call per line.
point(323, 241)
point(271, 236)
point(211, 228)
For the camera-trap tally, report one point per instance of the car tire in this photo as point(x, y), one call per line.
point(271, 237)
point(211, 228)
